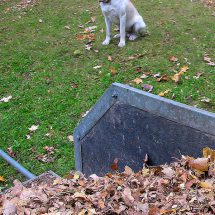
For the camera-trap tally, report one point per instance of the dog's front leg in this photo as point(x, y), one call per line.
point(122, 30)
point(108, 31)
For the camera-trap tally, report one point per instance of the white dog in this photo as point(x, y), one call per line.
point(125, 15)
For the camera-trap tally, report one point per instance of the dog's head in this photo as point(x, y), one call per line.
point(104, 1)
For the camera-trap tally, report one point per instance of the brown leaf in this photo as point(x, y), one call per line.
point(200, 164)
point(128, 170)
point(136, 56)
point(114, 166)
point(138, 81)
point(183, 70)
point(163, 78)
point(11, 152)
point(86, 36)
point(173, 59)
point(190, 183)
point(127, 197)
point(176, 78)
point(110, 58)
point(168, 171)
point(113, 71)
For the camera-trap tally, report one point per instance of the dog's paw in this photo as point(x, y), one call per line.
point(121, 44)
point(116, 36)
point(133, 37)
point(106, 42)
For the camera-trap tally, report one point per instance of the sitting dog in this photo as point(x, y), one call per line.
point(125, 15)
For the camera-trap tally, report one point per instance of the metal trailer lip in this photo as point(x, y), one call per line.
point(17, 166)
point(177, 112)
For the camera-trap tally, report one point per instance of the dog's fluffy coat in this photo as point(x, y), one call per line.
point(125, 15)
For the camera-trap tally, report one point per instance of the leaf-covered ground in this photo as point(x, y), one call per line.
point(186, 187)
point(53, 68)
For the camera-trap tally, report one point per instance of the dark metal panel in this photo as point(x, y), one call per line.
point(200, 120)
point(128, 133)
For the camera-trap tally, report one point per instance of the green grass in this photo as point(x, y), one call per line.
point(38, 68)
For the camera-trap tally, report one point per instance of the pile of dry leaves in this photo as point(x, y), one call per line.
point(183, 187)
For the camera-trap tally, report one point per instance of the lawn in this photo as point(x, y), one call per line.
point(52, 80)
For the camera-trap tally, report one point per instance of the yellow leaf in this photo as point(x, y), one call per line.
point(209, 153)
point(138, 81)
point(176, 78)
point(76, 176)
point(206, 185)
point(183, 70)
point(145, 172)
point(2, 178)
point(162, 94)
point(82, 212)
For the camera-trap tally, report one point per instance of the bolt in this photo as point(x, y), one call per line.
point(114, 95)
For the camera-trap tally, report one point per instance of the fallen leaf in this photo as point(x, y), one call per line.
point(110, 58)
point(208, 60)
point(90, 29)
point(33, 128)
point(28, 137)
point(11, 152)
point(209, 153)
point(76, 176)
point(143, 76)
point(6, 99)
point(136, 56)
point(128, 170)
point(173, 59)
point(97, 67)
point(127, 196)
point(137, 81)
point(86, 36)
point(157, 75)
point(114, 166)
point(183, 70)
point(138, 69)
point(70, 138)
point(206, 185)
point(198, 74)
point(67, 27)
point(176, 78)
point(163, 78)
point(206, 100)
point(190, 183)
point(201, 164)
point(162, 94)
point(113, 71)
point(148, 87)
point(168, 171)
point(2, 178)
